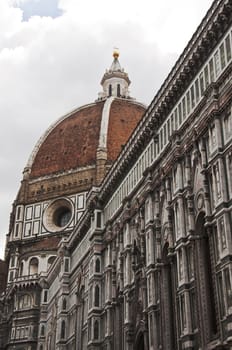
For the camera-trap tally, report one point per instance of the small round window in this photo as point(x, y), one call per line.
point(58, 215)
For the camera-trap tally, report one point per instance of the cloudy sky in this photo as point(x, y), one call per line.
point(53, 54)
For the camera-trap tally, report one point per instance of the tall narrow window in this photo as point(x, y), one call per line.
point(118, 90)
point(45, 296)
point(42, 332)
point(12, 261)
point(64, 304)
point(21, 269)
point(96, 330)
point(66, 265)
point(18, 213)
point(193, 309)
point(97, 296)
point(182, 312)
point(97, 265)
point(16, 230)
point(62, 333)
point(110, 90)
point(217, 180)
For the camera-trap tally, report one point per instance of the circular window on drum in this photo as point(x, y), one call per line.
point(58, 215)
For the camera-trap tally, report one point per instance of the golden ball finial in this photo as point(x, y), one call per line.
point(116, 52)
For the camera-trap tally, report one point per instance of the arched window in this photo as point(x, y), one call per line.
point(118, 90)
point(110, 90)
point(51, 260)
point(33, 266)
point(97, 265)
point(62, 333)
point(97, 296)
point(64, 304)
point(96, 330)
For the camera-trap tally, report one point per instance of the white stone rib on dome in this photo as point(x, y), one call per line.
point(105, 122)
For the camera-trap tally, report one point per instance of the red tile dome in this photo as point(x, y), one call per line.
point(72, 142)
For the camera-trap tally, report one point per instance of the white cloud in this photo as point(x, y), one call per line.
point(51, 65)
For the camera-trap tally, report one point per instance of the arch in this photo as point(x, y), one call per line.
point(33, 266)
point(63, 328)
point(96, 330)
point(97, 296)
point(97, 265)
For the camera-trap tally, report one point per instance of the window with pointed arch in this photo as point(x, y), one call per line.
point(33, 266)
point(97, 296)
point(63, 329)
point(96, 330)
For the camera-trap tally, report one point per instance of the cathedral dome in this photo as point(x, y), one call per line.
point(72, 142)
point(103, 127)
